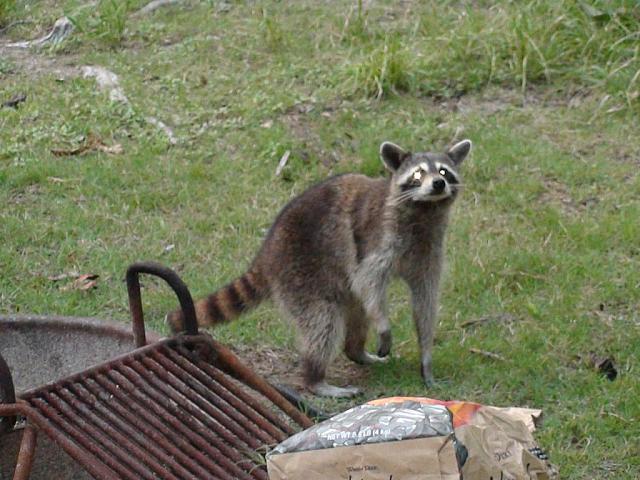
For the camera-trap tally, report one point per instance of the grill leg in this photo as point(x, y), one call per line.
point(26, 453)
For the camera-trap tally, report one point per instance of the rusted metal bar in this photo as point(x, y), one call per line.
point(229, 384)
point(232, 364)
point(98, 369)
point(138, 430)
point(184, 368)
point(12, 409)
point(187, 369)
point(150, 412)
point(111, 454)
point(135, 300)
point(209, 417)
point(25, 455)
point(211, 444)
point(186, 385)
point(135, 307)
point(82, 454)
point(132, 449)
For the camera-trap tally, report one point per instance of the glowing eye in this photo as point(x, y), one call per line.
point(442, 172)
point(417, 175)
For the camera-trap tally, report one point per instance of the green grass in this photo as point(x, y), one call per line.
point(6, 10)
point(106, 22)
point(545, 241)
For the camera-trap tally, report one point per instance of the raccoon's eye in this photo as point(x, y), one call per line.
point(450, 177)
point(416, 179)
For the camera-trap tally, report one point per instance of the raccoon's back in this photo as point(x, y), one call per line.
point(313, 236)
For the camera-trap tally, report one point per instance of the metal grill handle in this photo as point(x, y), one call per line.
point(135, 299)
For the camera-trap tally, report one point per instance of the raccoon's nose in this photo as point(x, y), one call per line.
point(438, 185)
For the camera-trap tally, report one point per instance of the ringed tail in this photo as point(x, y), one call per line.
point(226, 304)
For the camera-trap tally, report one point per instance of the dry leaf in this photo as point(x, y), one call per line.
point(604, 365)
point(92, 143)
point(83, 282)
point(15, 101)
point(56, 180)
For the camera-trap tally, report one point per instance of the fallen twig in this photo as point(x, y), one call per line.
point(109, 81)
point(491, 355)
point(283, 162)
point(476, 321)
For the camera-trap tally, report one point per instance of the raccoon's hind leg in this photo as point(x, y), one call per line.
point(321, 327)
point(356, 336)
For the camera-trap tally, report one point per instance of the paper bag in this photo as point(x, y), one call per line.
point(499, 441)
point(419, 459)
point(406, 440)
point(501, 446)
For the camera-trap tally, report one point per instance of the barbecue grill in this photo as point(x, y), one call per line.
point(183, 407)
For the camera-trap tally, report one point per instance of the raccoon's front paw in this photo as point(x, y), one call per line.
point(384, 343)
point(429, 381)
point(323, 389)
point(427, 374)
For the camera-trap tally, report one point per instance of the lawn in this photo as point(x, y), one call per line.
point(544, 244)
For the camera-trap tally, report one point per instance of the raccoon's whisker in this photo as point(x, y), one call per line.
point(408, 193)
point(399, 198)
point(403, 197)
point(401, 201)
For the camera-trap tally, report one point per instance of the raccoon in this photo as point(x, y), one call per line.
point(329, 255)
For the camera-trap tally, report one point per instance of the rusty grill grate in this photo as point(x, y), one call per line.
point(181, 408)
point(162, 411)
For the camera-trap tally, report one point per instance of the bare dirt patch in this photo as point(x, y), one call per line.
point(282, 365)
point(558, 195)
point(302, 127)
point(34, 64)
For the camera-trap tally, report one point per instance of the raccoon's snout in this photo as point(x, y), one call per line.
point(438, 185)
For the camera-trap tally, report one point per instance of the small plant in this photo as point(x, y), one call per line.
point(106, 22)
point(385, 70)
point(356, 24)
point(112, 20)
point(272, 31)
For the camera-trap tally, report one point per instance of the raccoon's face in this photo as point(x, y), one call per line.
point(425, 177)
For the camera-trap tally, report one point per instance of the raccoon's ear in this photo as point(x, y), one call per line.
point(392, 155)
point(459, 151)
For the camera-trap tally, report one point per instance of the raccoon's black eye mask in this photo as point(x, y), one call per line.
point(449, 177)
point(414, 181)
